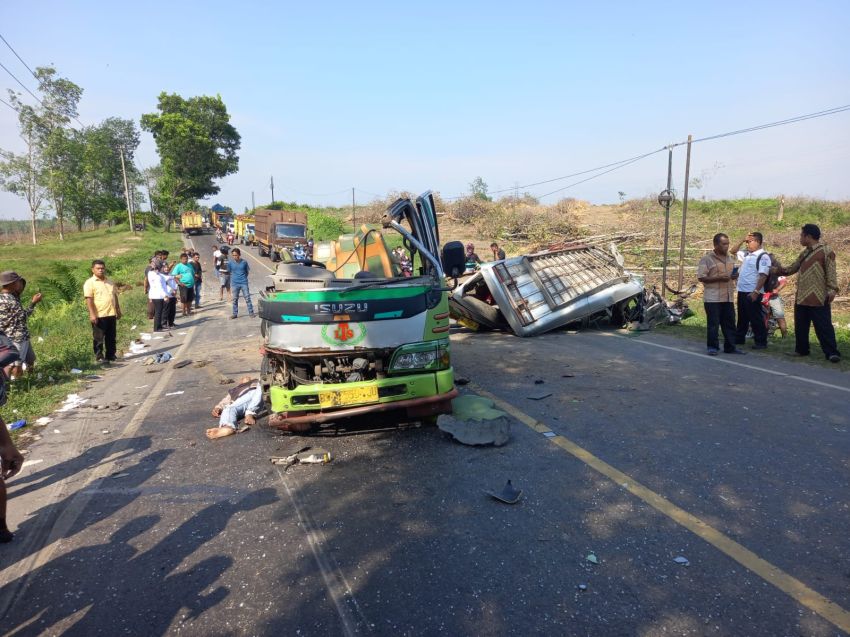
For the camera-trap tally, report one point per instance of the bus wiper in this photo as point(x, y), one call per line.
point(378, 282)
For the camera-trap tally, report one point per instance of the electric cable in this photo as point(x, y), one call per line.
point(636, 159)
point(18, 56)
point(21, 83)
point(76, 118)
point(9, 105)
point(782, 122)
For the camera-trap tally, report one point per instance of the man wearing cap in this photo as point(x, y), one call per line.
point(104, 311)
point(11, 459)
point(13, 315)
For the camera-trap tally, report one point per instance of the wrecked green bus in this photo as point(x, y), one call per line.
point(347, 334)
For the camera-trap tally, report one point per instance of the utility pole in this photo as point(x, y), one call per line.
point(126, 190)
point(781, 208)
point(684, 216)
point(665, 199)
point(353, 212)
point(271, 184)
point(148, 184)
point(253, 205)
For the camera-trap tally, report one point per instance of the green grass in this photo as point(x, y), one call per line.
point(60, 330)
point(693, 328)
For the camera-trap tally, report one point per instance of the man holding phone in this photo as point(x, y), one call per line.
point(717, 272)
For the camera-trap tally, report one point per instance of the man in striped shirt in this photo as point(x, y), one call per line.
point(817, 285)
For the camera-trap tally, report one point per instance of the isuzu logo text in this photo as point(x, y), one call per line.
point(341, 308)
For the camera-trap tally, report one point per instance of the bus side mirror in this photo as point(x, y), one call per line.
point(453, 258)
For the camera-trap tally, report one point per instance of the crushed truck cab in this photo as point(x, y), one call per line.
point(358, 337)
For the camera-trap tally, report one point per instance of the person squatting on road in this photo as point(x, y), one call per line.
point(185, 276)
point(13, 316)
point(817, 286)
point(754, 269)
point(104, 311)
point(243, 401)
point(11, 459)
point(716, 272)
point(239, 271)
point(199, 275)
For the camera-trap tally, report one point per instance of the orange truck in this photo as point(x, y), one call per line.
point(279, 230)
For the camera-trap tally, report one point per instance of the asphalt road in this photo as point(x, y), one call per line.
point(645, 451)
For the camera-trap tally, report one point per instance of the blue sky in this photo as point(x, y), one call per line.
point(399, 96)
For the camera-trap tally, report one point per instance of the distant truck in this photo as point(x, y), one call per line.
point(244, 229)
point(220, 220)
point(278, 230)
point(192, 222)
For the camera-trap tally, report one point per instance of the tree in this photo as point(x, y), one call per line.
point(622, 196)
point(23, 175)
point(36, 174)
point(478, 189)
point(196, 143)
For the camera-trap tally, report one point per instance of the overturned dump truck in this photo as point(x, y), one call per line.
point(536, 293)
point(347, 335)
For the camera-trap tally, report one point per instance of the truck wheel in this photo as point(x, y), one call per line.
point(274, 256)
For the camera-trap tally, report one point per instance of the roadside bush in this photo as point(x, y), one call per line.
point(325, 227)
point(472, 210)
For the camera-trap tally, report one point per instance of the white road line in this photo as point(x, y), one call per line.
point(726, 361)
point(78, 502)
point(338, 587)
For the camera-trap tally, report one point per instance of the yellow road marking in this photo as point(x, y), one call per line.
point(774, 575)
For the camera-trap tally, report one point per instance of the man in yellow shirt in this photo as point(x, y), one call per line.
point(104, 311)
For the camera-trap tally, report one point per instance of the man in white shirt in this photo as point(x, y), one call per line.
point(753, 271)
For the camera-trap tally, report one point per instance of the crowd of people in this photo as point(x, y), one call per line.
point(751, 274)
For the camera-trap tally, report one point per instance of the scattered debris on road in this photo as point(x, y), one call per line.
point(592, 558)
point(174, 393)
point(72, 402)
point(306, 455)
point(539, 395)
point(682, 560)
point(182, 364)
point(509, 494)
point(474, 421)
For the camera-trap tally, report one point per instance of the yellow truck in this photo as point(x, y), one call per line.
point(244, 229)
point(192, 222)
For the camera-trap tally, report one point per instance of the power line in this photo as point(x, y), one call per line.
point(22, 84)
point(9, 105)
point(626, 162)
point(782, 122)
point(18, 56)
point(636, 159)
point(583, 172)
point(76, 118)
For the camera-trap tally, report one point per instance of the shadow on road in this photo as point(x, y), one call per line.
point(118, 589)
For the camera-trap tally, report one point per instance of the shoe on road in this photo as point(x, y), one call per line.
point(252, 315)
point(835, 358)
point(737, 350)
point(233, 316)
point(712, 351)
